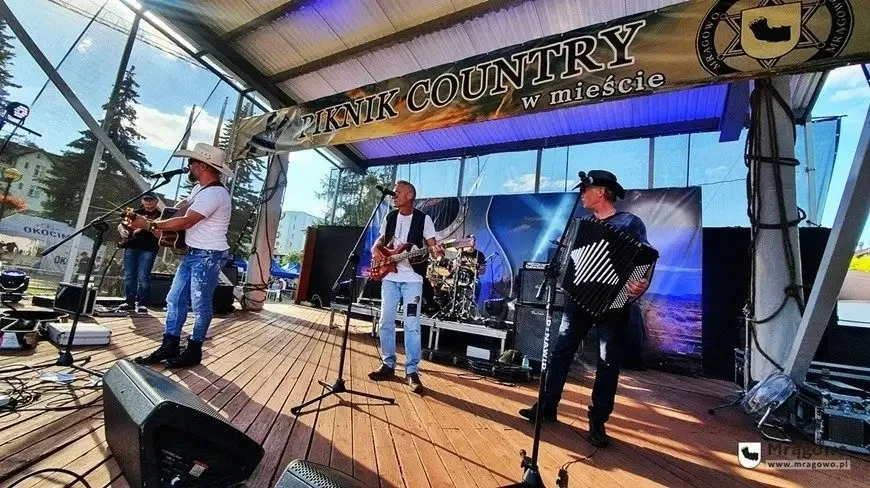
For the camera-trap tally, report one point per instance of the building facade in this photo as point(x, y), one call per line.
point(291, 231)
point(34, 164)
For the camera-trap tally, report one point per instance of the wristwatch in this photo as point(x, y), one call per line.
point(151, 225)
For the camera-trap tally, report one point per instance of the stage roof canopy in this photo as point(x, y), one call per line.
point(294, 51)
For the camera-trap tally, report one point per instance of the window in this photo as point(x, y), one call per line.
point(500, 174)
point(628, 160)
point(719, 168)
point(434, 179)
point(26, 164)
point(33, 192)
point(37, 170)
point(671, 159)
point(554, 170)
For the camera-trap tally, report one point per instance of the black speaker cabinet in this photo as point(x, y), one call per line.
point(67, 297)
point(222, 301)
point(160, 285)
point(531, 277)
point(162, 435)
point(302, 474)
point(530, 323)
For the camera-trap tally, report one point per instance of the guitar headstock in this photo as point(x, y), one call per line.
point(128, 214)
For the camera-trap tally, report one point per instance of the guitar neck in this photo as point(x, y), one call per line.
point(410, 254)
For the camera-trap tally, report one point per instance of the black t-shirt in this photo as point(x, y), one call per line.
point(144, 240)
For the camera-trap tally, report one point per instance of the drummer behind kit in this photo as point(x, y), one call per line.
point(455, 282)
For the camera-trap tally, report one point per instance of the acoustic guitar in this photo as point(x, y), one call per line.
point(172, 239)
point(381, 267)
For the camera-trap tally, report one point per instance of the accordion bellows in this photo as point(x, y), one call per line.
point(596, 263)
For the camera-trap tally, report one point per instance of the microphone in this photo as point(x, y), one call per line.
point(385, 191)
point(584, 180)
point(171, 173)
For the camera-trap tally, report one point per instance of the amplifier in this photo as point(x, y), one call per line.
point(530, 323)
point(67, 297)
point(531, 278)
point(833, 414)
point(160, 284)
point(223, 298)
point(162, 435)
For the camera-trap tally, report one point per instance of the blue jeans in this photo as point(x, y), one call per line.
point(194, 283)
point(573, 329)
point(411, 297)
point(137, 275)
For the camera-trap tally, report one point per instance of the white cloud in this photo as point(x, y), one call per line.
point(525, 183)
point(85, 45)
point(164, 130)
point(847, 76)
point(855, 93)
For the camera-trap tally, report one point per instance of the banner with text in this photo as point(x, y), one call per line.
point(681, 46)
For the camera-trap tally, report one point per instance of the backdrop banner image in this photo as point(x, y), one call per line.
point(512, 229)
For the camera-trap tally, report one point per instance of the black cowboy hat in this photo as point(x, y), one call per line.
point(606, 179)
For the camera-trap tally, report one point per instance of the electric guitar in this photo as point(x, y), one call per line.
point(383, 266)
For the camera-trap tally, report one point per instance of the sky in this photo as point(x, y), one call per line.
point(170, 87)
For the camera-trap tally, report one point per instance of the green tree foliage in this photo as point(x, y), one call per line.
point(357, 195)
point(7, 54)
point(65, 183)
point(246, 197)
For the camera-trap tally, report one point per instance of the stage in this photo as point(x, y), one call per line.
point(464, 432)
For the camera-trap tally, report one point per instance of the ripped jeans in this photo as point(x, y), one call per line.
point(194, 284)
point(410, 294)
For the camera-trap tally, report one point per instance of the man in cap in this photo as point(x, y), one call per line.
point(140, 250)
point(204, 216)
point(599, 191)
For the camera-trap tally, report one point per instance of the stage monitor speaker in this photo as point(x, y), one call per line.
point(67, 297)
point(530, 323)
point(302, 474)
point(162, 435)
point(333, 244)
point(531, 278)
point(160, 285)
point(222, 301)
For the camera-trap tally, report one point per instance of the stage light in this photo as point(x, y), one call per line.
point(17, 110)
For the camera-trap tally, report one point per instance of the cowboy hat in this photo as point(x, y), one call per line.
point(209, 155)
point(606, 179)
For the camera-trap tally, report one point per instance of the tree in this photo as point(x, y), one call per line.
point(246, 197)
point(292, 257)
point(6, 56)
point(357, 195)
point(65, 183)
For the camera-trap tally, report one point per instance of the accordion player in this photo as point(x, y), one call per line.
point(597, 263)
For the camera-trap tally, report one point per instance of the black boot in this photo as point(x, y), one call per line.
point(548, 414)
point(191, 356)
point(167, 350)
point(598, 435)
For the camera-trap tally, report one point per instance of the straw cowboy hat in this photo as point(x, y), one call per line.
point(209, 155)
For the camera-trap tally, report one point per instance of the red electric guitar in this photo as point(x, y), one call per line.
point(381, 267)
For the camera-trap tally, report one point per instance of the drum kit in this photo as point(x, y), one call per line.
point(455, 284)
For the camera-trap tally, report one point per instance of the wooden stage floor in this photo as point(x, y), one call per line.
point(465, 432)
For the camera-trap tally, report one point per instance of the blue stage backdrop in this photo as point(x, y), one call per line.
point(512, 229)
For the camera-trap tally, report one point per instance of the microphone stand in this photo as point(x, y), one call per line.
point(531, 472)
point(338, 386)
point(99, 224)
